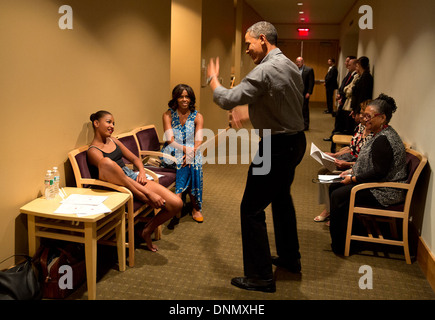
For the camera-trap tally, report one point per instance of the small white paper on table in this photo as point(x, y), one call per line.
point(81, 199)
point(83, 205)
point(82, 210)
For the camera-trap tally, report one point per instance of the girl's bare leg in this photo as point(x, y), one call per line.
point(172, 206)
point(111, 172)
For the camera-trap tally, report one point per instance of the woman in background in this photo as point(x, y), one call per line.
point(382, 159)
point(363, 88)
point(345, 158)
point(183, 136)
point(105, 153)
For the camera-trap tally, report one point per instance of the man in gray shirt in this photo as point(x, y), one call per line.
point(273, 91)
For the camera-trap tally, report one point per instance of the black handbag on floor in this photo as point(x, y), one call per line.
point(20, 282)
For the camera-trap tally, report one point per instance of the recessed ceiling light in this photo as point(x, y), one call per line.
point(300, 4)
point(301, 12)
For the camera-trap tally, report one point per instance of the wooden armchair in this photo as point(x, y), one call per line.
point(150, 144)
point(415, 163)
point(135, 209)
point(341, 140)
point(167, 176)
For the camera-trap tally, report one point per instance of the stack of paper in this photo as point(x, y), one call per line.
point(83, 205)
point(329, 178)
point(324, 159)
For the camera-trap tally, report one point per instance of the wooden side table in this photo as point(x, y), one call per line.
point(43, 222)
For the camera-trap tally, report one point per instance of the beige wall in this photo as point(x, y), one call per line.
point(218, 33)
point(401, 48)
point(116, 57)
point(250, 16)
point(186, 45)
point(223, 23)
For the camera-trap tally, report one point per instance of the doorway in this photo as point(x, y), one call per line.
point(316, 54)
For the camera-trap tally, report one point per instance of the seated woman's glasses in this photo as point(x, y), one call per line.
point(368, 117)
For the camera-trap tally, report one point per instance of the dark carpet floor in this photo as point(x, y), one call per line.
point(197, 261)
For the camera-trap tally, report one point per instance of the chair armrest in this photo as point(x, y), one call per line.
point(101, 183)
point(341, 138)
point(371, 185)
point(152, 174)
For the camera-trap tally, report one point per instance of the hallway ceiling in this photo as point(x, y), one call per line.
point(315, 11)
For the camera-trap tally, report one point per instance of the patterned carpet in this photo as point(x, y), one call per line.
point(197, 261)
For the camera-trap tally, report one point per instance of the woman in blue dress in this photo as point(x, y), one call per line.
point(183, 136)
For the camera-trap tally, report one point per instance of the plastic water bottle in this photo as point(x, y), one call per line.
point(56, 181)
point(48, 184)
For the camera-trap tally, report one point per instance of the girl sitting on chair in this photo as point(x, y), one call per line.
point(106, 152)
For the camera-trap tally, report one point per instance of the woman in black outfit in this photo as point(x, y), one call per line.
point(382, 159)
point(363, 89)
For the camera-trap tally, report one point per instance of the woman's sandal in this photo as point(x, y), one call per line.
point(199, 219)
point(321, 218)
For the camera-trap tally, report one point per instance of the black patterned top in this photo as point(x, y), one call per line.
point(383, 159)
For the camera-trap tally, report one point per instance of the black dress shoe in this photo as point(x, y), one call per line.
point(254, 284)
point(327, 139)
point(292, 266)
point(326, 111)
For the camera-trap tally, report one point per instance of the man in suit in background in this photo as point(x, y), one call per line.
point(331, 85)
point(341, 96)
point(341, 117)
point(307, 74)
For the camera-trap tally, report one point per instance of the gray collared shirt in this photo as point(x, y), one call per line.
point(273, 90)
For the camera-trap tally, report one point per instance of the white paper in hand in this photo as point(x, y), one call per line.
point(322, 158)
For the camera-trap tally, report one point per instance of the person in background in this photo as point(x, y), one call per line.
point(331, 85)
point(382, 159)
point(183, 126)
point(363, 88)
point(273, 90)
point(307, 74)
point(344, 124)
point(341, 98)
point(105, 155)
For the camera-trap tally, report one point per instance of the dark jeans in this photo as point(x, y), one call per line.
point(306, 113)
point(287, 152)
point(340, 201)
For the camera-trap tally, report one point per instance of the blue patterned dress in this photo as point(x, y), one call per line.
point(191, 174)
